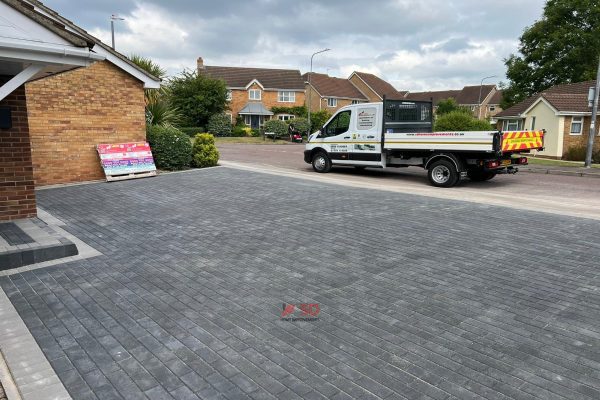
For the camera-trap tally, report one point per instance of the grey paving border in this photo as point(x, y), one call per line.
point(548, 171)
point(30, 370)
point(85, 250)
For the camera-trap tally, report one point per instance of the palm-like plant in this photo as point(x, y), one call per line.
point(159, 110)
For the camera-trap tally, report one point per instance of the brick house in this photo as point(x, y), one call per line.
point(482, 100)
point(373, 87)
point(70, 113)
point(254, 91)
point(561, 110)
point(329, 93)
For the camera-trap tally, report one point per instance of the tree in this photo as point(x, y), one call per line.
point(448, 105)
point(460, 121)
point(197, 96)
point(562, 47)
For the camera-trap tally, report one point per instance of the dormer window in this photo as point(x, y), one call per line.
point(254, 94)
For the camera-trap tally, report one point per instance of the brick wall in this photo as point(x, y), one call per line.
point(579, 140)
point(269, 98)
point(17, 196)
point(365, 89)
point(70, 113)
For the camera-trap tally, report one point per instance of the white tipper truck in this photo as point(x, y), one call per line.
point(398, 133)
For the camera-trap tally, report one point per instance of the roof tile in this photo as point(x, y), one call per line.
point(334, 87)
point(269, 78)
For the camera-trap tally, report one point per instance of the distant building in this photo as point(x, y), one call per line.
point(561, 110)
point(254, 91)
point(329, 93)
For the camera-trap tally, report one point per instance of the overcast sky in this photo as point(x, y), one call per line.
point(415, 45)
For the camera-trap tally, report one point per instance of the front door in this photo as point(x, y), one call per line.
point(366, 137)
point(254, 121)
point(337, 135)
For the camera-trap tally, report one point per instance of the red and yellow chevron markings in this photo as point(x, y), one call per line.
point(522, 140)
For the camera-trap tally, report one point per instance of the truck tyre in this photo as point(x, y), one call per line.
point(321, 162)
point(477, 175)
point(443, 173)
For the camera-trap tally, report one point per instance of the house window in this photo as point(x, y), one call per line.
point(286, 96)
point(254, 94)
point(228, 96)
point(576, 125)
point(285, 117)
point(247, 120)
point(532, 123)
point(512, 125)
point(331, 102)
point(355, 101)
point(492, 108)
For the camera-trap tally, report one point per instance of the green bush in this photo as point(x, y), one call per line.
point(301, 124)
point(204, 151)
point(460, 121)
point(276, 126)
point(318, 119)
point(192, 131)
point(219, 125)
point(578, 152)
point(238, 131)
point(171, 148)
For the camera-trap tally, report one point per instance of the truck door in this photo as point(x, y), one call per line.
point(366, 136)
point(336, 136)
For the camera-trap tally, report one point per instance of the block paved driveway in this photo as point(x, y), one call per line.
point(420, 298)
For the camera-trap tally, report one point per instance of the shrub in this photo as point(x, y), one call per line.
point(276, 126)
point(460, 121)
point(301, 124)
point(204, 151)
point(575, 153)
point(192, 131)
point(318, 119)
point(171, 148)
point(219, 125)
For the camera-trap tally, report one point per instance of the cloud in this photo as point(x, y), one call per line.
point(416, 45)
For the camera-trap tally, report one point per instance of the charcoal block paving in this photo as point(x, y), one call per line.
point(419, 297)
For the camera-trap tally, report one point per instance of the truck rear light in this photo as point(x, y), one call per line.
point(492, 164)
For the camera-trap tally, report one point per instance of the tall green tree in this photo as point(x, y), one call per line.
point(197, 96)
point(562, 47)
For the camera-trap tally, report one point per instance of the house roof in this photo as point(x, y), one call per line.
point(436, 96)
point(378, 85)
point(63, 24)
point(255, 108)
point(467, 95)
point(328, 86)
point(240, 77)
point(496, 97)
point(565, 98)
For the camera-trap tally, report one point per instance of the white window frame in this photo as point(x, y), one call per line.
point(580, 123)
point(510, 122)
point(532, 125)
point(247, 119)
point(252, 94)
point(492, 108)
point(229, 95)
point(355, 101)
point(285, 117)
point(331, 102)
point(286, 96)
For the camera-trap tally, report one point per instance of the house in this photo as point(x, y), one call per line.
point(482, 100)
point(561, 110)
point(373, 87)
point(329, 93)
point(252, 92)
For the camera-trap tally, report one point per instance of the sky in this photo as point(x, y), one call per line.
point(415, 45)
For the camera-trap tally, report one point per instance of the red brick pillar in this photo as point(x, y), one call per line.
point(17, 195)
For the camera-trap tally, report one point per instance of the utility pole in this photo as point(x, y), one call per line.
point(592, 132)
point(114, 18)
point(479, 99)
point(309, 88)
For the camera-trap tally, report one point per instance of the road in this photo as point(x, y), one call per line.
point(557, 194)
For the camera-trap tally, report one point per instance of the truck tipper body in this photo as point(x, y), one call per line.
point(399, 133)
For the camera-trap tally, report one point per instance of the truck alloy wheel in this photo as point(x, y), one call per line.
point(443, 173)
point(321, 163)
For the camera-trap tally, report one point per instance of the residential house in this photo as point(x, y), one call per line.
point(252, 92)
point(59, 98)
point(329, 93)
point(561, 110)
point(373, 87)
point(482, 100)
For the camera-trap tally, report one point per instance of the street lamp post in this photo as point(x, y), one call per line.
point(592, 132)
point(479, 99)
point(309, 93)
point(114, 18)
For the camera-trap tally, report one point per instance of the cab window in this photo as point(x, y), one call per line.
point(339, 124)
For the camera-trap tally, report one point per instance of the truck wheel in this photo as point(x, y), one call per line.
point(479, 176)
point(321, 162)
point(443, 173)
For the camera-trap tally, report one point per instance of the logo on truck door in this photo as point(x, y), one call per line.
point(339, 147)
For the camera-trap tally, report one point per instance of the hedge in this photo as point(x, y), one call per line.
point(171, 148)
point(219, 125)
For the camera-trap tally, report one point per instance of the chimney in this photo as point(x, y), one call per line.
point(200, 64)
